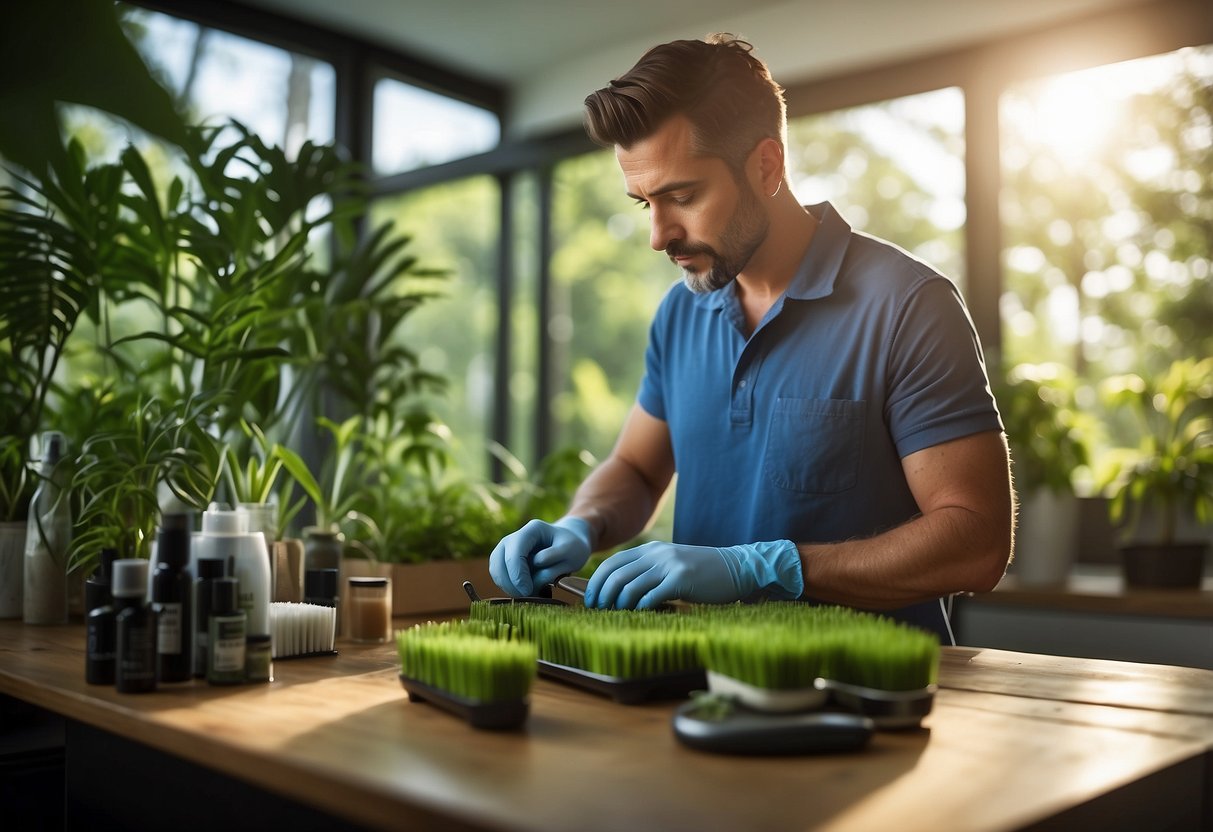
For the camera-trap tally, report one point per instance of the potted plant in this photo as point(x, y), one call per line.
point(16, 488)
point(1166, 478)
point(1049, 439)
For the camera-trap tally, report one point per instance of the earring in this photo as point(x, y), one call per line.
point(776, 191)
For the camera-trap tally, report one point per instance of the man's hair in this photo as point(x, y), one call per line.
point(727, 94)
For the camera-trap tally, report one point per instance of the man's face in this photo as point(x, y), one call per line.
point(708, 223)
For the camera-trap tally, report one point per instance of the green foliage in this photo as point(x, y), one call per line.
point(120, 471)
point(1049, 435)
point(71, 51)
point(332, 491)
point(475, 660)
point(1170, 470)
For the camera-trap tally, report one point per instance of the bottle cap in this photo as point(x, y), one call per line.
point(212, 567)
point(320, 583)
point(217, 520)
point(130, 578)
point(367, 583)
point(223, 596)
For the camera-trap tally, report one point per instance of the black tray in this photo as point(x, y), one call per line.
point(742, 731)
point(491, 715)
point(676, 685)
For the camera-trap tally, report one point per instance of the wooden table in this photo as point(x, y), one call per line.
point(1015, 740)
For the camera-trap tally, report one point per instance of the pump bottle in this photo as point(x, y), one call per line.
point(46, 540)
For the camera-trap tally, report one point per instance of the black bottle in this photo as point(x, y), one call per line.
point(171, 590)
point(99, 623)
point(320, 588)
point(226, 651)
point(135, 657)
point(209, 569)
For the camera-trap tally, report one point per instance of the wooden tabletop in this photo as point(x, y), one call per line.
point(1013, 739)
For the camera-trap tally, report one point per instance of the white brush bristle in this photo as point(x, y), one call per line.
point(300, 629)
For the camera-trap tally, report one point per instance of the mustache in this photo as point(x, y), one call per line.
point(679, 249)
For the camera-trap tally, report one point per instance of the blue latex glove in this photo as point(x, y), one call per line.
point(539, 553)
point(649, 575)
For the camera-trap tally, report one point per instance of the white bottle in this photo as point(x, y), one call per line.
point(46, 541)
point(225, 535)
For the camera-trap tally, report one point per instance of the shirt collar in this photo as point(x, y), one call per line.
point(818, 270)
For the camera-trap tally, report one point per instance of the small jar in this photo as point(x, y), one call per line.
point(369, 613)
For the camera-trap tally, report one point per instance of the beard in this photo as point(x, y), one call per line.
point(744, 233)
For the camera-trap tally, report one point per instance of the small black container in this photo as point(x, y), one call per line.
point(135, 656)
point(496, 716)
point(743, 731)
point(101, 632)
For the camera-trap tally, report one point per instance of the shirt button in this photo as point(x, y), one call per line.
point(741, 383)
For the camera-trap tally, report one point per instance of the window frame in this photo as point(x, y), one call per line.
point(981, 70)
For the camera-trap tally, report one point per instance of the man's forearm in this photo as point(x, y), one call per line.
point(950, 550)
point(617, 502)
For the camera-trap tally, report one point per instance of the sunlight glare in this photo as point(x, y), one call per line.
point(1073, 118)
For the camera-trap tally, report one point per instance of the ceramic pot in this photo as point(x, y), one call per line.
point(1047, 538)
point(1164, 566)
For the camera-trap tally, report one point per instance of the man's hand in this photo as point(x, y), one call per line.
point(539, 553)
point(649, 575)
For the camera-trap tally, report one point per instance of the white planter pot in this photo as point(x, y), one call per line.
point(12, 569)
point(1047, 538)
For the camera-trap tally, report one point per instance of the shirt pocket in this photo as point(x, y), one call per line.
point(815, 445)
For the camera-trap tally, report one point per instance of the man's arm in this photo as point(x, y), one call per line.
point(961, 542)
point(619, 497)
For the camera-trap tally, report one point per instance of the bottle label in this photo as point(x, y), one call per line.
point(168, 629)
point(227, 652)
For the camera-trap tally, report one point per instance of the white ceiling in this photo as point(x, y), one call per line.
point(550, 53)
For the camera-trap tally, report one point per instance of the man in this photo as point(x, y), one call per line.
point(820, 393)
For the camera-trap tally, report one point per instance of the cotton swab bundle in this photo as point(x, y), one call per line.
point(475, 660)
point(301, 629)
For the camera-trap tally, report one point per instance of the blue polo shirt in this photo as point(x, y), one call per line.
point(798, 431)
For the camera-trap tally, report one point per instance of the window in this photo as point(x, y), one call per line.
point(893, 169)
point(455, 226)
point(1106, 213)
point(607, 284)
point(415, 128)
point(285, 98)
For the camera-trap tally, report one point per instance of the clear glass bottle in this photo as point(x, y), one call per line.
point(47, 539)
